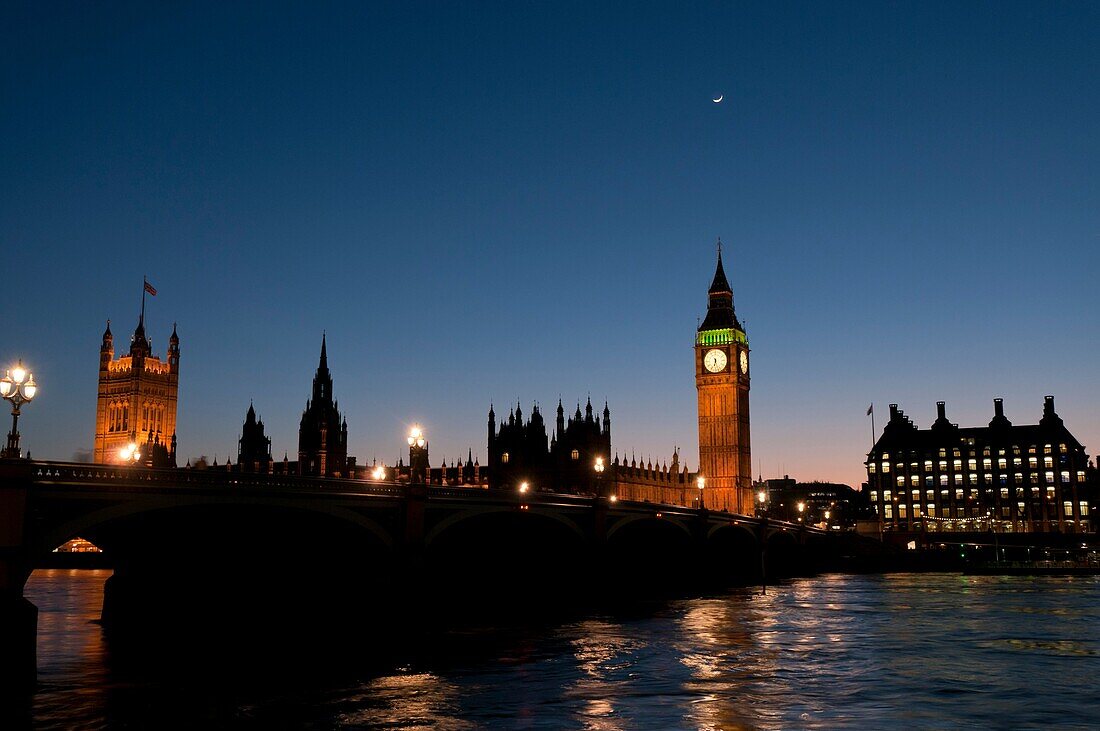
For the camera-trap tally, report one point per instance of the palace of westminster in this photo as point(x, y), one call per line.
point(916, 479)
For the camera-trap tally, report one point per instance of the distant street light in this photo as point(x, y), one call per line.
point(701, 482)
point(523, 487)
point(17, 386)
point(801, 507)
point(379, 473)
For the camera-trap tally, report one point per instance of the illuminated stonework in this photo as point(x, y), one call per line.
point(137, 399)
point(722, 383)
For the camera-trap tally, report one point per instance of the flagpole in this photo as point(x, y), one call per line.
point(873, 432)
point(144, 282)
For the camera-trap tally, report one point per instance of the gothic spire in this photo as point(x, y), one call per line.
point(720, 283)
point(720, 313)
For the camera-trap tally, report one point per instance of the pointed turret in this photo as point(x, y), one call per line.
point(108, 340)
point(720, 285)
point(720, 312)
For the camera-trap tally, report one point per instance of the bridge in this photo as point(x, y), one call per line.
point(193, 542)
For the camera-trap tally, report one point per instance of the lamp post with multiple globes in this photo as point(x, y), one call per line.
point(599, 467)
point(701, 482)
point(17, 386)
point(418, 456)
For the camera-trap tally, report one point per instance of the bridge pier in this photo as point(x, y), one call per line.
point(18, 617)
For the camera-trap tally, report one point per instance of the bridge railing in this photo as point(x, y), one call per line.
point(52, 473)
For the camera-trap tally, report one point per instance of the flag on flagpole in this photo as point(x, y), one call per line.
point(870, 408)
point(150, 289)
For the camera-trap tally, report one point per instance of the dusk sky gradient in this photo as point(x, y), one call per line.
point(488, 202)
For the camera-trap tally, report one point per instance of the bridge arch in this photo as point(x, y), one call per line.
point(456, 519)
point(93, 521)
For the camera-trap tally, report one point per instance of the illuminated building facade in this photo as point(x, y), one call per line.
point(136, 401)
point(722, 383)
point(1001, 477)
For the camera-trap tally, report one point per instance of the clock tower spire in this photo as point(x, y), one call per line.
point(722, 382)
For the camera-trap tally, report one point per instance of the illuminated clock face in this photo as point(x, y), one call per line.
point(744, 362)
point(715, 360)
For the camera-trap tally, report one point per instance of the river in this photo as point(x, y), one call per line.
point(927, 651)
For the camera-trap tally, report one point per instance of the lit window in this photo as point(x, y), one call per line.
point(943, 479)
point(1004, 493)
point(1019, 477)
point(987, 463)
point(1061, 448)
point(943, 465)
point(943, 452)
point(1084, 506)
point(931, 508)
point(959, 494)
point(874, 496)
point(916, 495)
point(901, 511)
point(1002, 464)
point(504, 458)
point(1050, 477)
point(1048, 461)
point(1065, 477)
point(1017, 461)
point(576, 454)
point(930, 495)
point(972, 464)
point(1046, 449)
point(988, 479)
point(958, 479)
point(973, 479)
point(871, 468)
point(901, 480)
point(1067, 508)
point(915, 479)
point(956, 453)
point(928, 465)
point(1080, 475)
point(885, 466)
point(916, 510)
point(888, 511)
point(928, 479)
point(1034, 478)
point(886, 496)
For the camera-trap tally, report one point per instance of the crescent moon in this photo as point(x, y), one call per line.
point(720, 98)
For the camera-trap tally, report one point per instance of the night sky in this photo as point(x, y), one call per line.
point(489, 202)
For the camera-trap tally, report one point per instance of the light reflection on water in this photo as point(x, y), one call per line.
point(913, 651)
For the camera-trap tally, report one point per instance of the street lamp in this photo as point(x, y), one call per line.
point(523, 487)
point(701, 482)
point(801, 507)
point(762, 498)
point(130, 454)
point(599, 467)
point(17, 386)
point(418, 455)
point(379, 473)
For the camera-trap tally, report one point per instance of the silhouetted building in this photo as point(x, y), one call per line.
point(323, 435)
point(254, 447)
point(136, 401)
point(1000, 477)
point(519, 451)
point(822, 502)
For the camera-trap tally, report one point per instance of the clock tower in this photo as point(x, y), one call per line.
point(722, 381)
